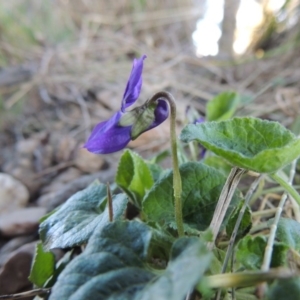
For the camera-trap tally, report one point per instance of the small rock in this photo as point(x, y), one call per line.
point(27, 147)
point(15, 272)
point(27, 177)
point(13, 245)
point(13, 194)
point(46, 200)
point(88, 162)
point(65, 147)
point(22, 221)
point(43, 157)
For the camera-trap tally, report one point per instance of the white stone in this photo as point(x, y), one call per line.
point(13, 194)
point(21, 221)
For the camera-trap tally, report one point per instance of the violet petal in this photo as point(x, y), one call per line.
point(108, 136)
point(161, 113)
point(134, 84)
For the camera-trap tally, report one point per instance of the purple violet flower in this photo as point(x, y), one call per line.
point(111, 136)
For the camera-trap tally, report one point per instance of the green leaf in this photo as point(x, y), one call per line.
point(250, 252)
point(60, 265)
point(178, 279)
point(218, 163)
point(222, 107)
point(201, 187)
point(159, 157)
point(288, 232)
point(134, 176)
point(249, 143)
point(156, 170)
point(113, 267)
point(245, 224)
point(285, 289)
point(74, 222)
point(43, 266)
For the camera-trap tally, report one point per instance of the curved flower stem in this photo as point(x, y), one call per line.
point(177, 188)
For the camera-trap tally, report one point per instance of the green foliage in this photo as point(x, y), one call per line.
point(43, 266)
point(201, 187)
point(222, 107)
point(288, 232)
point(285, 289)
point(218, 163)
point(113, 267)
point(250, 252)
point(245, 225)
point(249, 143)
point(134, 176)
point(180, 276)
point(36, 21)
point(74, 222)
point(144, 258)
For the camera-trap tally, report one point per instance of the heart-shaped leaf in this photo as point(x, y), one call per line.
point(222, 107)
point(74, 222)
point(201, 188)
point(181, 275)
point(113, 267)
point(249, 143)
point(134, 176)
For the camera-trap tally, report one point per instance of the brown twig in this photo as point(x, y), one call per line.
point(31, 293)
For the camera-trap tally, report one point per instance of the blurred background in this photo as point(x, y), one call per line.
point(64, 67)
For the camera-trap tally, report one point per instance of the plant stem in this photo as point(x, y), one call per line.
point(224, 201)
point(289, 189)
point(177, 188)
point(236, 227)
point(245, 279)
point(109, 203)
point(264, 213)
point(239, 219)
point(294, 195)
point(42, 291)
point(259, 227)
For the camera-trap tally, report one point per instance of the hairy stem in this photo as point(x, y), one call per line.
point(177, 188)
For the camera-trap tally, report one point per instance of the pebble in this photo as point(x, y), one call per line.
point(13, 194)
point(88, 162)
point(21, 222)
point(14, 274)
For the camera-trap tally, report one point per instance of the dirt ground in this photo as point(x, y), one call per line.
point(51, 96)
